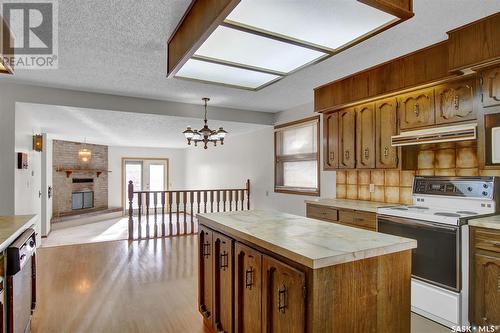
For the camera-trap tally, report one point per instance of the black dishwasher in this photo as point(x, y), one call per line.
point(21, 282)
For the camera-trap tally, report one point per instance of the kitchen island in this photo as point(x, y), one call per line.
point(275, 272)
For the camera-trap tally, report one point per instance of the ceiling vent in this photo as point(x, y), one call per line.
point(436, 134)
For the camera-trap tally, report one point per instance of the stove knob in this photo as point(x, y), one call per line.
point(485, 193)
point(32, 243)
point(469, 189)
point(485, 185)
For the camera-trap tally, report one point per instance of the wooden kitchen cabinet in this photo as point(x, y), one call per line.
point(416, 109)
point(284, 297)
point(455, 102)
point(386, 125)
point(347, 137)
point(205, 268)
point(365, 135)
point(351, 218)
point(248, 289)
point(485, 277)
point(331, 140)
point(490, 87)
point(223, 283)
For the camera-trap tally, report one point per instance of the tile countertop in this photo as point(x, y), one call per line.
point(310, 242)
point(491, 222)
point(12, 226)
point(361, 205)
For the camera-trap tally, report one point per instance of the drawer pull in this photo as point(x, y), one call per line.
point(249, 278)
point(367, 153)
point(206, 250)
point(386, 151)
point(224, 260)
point(416, 110)
point(282, 295)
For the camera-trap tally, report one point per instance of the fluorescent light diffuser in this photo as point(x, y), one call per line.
point(327, 23)
point(248, 49)
point(206, 71)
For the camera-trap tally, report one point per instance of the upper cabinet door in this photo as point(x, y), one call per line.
point(347, 137)
point(455, 102)
point(223, 283)
point(205, 268)
point(283, 296)
point(331, 140)
point(365, 135)
point(416, 109)
point(386, 125)
point(491, 87)
point(248, 289)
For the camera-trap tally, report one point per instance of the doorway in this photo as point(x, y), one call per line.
point(147, 174)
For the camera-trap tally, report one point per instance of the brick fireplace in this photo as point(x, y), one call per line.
point(79, 187)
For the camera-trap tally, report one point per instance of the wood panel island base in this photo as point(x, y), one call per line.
point(266, 271)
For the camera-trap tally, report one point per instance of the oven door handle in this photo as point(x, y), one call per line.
point(416, 223)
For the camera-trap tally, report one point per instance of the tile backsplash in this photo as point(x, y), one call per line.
point(395, 186)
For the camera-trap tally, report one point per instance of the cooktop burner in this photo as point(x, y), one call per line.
point(447, 214)
point(466, 212)
point(418, 207)
point(400, 208)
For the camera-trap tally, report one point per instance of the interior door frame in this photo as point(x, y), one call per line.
point(124, 159)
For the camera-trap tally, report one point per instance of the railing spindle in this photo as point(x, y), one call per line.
point(218, 201)
point(184, 199)
point(224, 199)
point(198, 200)
point(236, 199)
point(170, 231)
point(211, 201)
point(242, 193)
point(205, 201)
point(191, 197)
point(248, 194)
point(130, 210)
point(147, 214)
point(155, 202)
point(163, 214)
point(177, 199)
point(139, 215)
point(230, 200)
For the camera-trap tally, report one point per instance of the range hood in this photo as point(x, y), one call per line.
point(436, 134)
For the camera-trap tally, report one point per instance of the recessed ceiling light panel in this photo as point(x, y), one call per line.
point(228, 75)
point(252, 50)
point(326, 23)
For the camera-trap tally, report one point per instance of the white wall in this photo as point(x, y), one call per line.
point(251, 156)
point(27, 181)
point(177, 170)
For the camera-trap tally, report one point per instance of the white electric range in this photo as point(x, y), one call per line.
point(437, 219)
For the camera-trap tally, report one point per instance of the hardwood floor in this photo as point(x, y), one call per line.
point(141, 286)
point(121, 286)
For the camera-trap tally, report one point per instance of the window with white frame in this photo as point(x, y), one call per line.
point(297, 157)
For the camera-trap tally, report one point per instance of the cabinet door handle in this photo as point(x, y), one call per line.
point(386, 151)
point(249, 278)
point(498, 283)
point(282, 299)
point(496, 244)
point(224, 260)
point(332, 155)
point(346, 154)
point(416, 110)
point(456, 102)
point(204, 312)
point(367, 153)
point(206, 250)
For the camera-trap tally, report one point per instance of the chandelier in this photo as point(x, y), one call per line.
point(205, 134)
point(85, 154)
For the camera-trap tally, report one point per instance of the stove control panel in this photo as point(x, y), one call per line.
point(469, 187)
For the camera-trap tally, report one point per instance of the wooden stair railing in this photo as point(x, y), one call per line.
point(156, 214)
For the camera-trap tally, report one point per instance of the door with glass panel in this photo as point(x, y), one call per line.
point(146, 175)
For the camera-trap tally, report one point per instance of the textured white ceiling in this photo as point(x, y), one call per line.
point(115, 128)
point(118, 47)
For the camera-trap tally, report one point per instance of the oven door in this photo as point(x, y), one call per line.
point(436, 259)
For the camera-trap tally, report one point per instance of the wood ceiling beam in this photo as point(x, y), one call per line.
point(399, 8)
point(199, 21)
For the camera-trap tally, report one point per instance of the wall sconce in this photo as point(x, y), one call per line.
point(37, 142)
